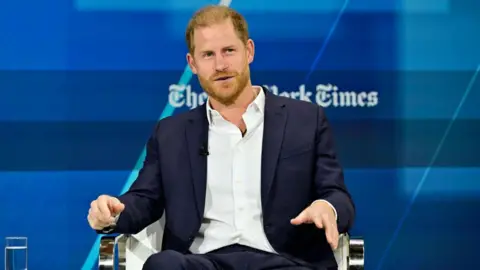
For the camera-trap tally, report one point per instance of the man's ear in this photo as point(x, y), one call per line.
point(191, 63)
point(250, 47)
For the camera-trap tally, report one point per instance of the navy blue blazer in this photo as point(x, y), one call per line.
point(299, 165)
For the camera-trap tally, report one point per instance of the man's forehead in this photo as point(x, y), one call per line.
point(215, 32)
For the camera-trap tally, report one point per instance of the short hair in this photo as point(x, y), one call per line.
point(214, 14)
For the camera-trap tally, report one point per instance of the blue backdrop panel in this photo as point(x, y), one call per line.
point(82, 83)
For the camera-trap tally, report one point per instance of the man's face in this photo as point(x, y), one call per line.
point(221, 61)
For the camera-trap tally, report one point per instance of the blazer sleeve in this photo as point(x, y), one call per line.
point(144, 201)
point(329, 177)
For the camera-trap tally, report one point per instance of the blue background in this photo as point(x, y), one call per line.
point(82, 82)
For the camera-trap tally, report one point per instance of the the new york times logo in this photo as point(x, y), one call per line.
point(325, 95)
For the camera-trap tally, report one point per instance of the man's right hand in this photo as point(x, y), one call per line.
point(103, 211)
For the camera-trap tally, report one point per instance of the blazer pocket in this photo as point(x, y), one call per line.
point(293, 152)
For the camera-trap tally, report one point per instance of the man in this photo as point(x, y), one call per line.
point(249, 180)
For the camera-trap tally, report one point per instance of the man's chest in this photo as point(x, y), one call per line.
point(234, 161)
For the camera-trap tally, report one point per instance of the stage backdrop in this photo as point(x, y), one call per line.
point(83, 82)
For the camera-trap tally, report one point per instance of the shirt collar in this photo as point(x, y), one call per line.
point(258, 103)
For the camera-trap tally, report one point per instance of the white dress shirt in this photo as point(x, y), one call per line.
point(233, 208)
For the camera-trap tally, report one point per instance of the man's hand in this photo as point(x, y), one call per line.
point(103, 211)
point(323, 215)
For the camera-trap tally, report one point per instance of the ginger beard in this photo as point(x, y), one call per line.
point(226, 87)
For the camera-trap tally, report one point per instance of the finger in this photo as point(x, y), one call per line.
point(322, 221)
point(333, 236)
point(116, 206)
point(331, 232)
point(94, 211)
point(318, 221)
point(303, 217)
point(95, 217)
point(328, 229)
point(94, 223)
point(92, 220)
point(106, 214)
point(98, 214)
point(334, 233)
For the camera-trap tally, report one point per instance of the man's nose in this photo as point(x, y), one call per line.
point(221, 63)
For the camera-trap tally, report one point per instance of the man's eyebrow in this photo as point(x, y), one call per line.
point(205, 51)
point(223, 49)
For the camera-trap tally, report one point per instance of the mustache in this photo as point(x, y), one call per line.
point(219, 75)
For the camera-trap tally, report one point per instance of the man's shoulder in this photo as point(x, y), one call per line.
point(298, 106)
point(178, 120)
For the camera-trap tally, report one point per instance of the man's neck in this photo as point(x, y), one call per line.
point(234, 112)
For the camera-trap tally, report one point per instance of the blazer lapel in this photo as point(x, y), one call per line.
point(197, 139)
point(274, 126)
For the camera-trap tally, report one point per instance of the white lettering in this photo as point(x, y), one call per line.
point(347, 99)
point(202, 98)
point(325, 95)
point(372, 99)
point(304, 94)
point(176, 98)
point(361, 99)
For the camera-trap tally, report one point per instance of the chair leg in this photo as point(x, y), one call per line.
point(356, 258)
point(108, 244)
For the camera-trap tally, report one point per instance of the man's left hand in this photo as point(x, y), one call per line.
point(323, 216)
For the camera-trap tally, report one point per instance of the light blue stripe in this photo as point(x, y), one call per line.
point(185, 79)
point(428, 169)
point(327, 40)
point(167, 111)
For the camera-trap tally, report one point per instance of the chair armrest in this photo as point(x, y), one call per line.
point(356, 254)
point(108, 244)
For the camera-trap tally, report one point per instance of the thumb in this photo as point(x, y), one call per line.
point(301, 218)
point(116, 206)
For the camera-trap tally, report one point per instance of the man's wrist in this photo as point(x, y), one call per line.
point(111, 228)
point(334, 211)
